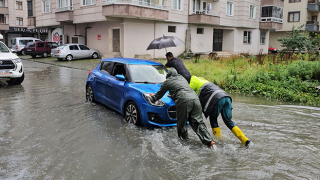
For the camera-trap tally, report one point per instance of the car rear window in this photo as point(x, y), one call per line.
point(30, 45)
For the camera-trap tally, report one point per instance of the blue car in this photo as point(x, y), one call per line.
point(124, 85)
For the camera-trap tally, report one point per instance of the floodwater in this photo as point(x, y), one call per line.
point(48, 131)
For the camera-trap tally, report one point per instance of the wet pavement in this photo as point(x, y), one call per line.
point(48, 131)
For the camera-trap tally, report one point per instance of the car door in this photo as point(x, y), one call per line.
point(74, 51)
point(85, 51)
point(103, 85)
point(40, 47)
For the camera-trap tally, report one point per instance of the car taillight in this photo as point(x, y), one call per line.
point(89, 72)
point(58, 51)
point(17, 47)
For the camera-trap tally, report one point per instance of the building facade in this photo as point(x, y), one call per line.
point(126, 27)
point(297, 13)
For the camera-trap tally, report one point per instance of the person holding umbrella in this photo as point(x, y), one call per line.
point(188, 107)
point(178, 65)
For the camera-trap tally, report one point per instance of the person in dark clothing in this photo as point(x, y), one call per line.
point(178, 65)
point(215, 101)
point(188, 107)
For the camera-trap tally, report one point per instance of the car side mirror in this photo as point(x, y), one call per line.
point(120, 77)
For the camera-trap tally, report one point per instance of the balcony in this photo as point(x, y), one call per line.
point(4, 27)
point(312, 26)
point(31, 21)
point(313, 5)
point(270, 23)
point(134, 9)
point(64, 14)
point(278, 3)
point(4, 10)
point(204, 17)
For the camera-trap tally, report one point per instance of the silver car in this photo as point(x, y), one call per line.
point(74, 51)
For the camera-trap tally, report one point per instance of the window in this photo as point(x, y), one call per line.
point(18, 5)
point(19, 21)
point(172, 29)
point(40, 44)
point(293, 1)
point(230, 8)
point(48, 45)
point(83, 47)
point(2, 4)
point(64, 5)
point(262, 37)
point(107, 67)
point(73, 47)
point(46, 6)
point(199, 30)
point(88, 2)
point(294, 16)
point(247, 37)
point(252, 12)
point(271, 11)
point(177, 4)
point(55, 45)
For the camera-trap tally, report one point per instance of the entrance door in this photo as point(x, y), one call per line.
point(217, 39)
point(116, 40)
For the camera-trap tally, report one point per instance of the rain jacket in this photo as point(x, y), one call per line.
point(178, 88)
point(180, 67)
point(209, 93)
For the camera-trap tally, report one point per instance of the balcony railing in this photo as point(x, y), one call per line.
point(210, 13)
point(136, 3)
point(66, 8)
point(271, 19)
point(313, 22)
point(313, 1)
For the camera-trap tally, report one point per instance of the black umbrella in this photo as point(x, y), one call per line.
point(164, 42)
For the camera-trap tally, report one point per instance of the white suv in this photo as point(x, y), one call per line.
point(11, 68)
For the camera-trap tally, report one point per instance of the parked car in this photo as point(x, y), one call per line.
point(123, 84)
point(74, 51)
point(273, 50)
point(39, 48)
point(20, 42)
point(11, 68)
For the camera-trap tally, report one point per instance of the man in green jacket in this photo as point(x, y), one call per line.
point(215, 101)
point(188, 106)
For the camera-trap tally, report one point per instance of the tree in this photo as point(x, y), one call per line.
point(300, 40)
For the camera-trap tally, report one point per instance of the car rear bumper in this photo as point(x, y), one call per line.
point(58, 55)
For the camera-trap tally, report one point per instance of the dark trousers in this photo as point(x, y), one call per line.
point(224, 107)
point(190, 110)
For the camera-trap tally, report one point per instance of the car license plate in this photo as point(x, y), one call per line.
point(29, 50)
point(4, 72)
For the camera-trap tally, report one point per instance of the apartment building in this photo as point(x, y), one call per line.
point(126, 27)
point(17, 20)
point(297, 13)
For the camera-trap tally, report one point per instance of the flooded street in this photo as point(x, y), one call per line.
point(48, 131)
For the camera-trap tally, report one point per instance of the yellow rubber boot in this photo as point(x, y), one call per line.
point(217, 133)
point(237, 132)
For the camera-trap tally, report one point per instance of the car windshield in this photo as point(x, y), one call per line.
point(3, 48)
point(148, 73)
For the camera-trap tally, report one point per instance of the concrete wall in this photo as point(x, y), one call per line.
point(228, 40)
point(201, 42)
point(274, 36)
point(177, 15)
point(14, 13)
point(240, 47)
point(290, 7)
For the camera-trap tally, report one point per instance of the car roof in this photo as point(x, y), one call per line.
point(26, 38)
point(132, 61)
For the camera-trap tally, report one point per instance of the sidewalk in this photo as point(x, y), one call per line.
point(83, 64)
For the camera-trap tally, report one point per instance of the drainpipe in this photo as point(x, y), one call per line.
point(86, 34)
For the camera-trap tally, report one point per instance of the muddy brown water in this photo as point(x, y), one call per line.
point(48, 131)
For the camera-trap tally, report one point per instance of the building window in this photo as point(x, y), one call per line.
point(88, 2)
point(247, 37)
point(2, 4)
point(294, 16)
point(19, 21)
point(293, 1)
point(230, 8)
point(18, 5)
point(177, 4)
point(252, 12)
point(172, 29)
point(46, 6)
point(64, 5)
point(271, 11)
point(262, 37)
point(200, 30)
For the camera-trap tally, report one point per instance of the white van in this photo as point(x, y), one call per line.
point(11, 68)
point(19, 43)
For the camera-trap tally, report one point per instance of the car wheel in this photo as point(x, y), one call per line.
point(69, 57)
point(60, 59)
point(95, 55)
point(132, 113)
point(89, 93)
point(16, 81)
point(33, 56)
point(45, 55)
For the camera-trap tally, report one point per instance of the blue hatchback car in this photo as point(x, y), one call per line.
point(123, 84)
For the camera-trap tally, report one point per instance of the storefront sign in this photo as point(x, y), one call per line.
point(26, 30)
point(99, 37)
point(56, 35)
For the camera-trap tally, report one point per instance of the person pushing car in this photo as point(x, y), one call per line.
point(178, 65)
point(214, 101)
point(188, 106)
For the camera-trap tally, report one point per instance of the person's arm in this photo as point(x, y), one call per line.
point(162, 91)
point(168, 64)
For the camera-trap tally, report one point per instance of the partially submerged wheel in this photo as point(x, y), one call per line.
point(69, 57)
point(16, 81)
point(89, 93)
point(132, 114)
